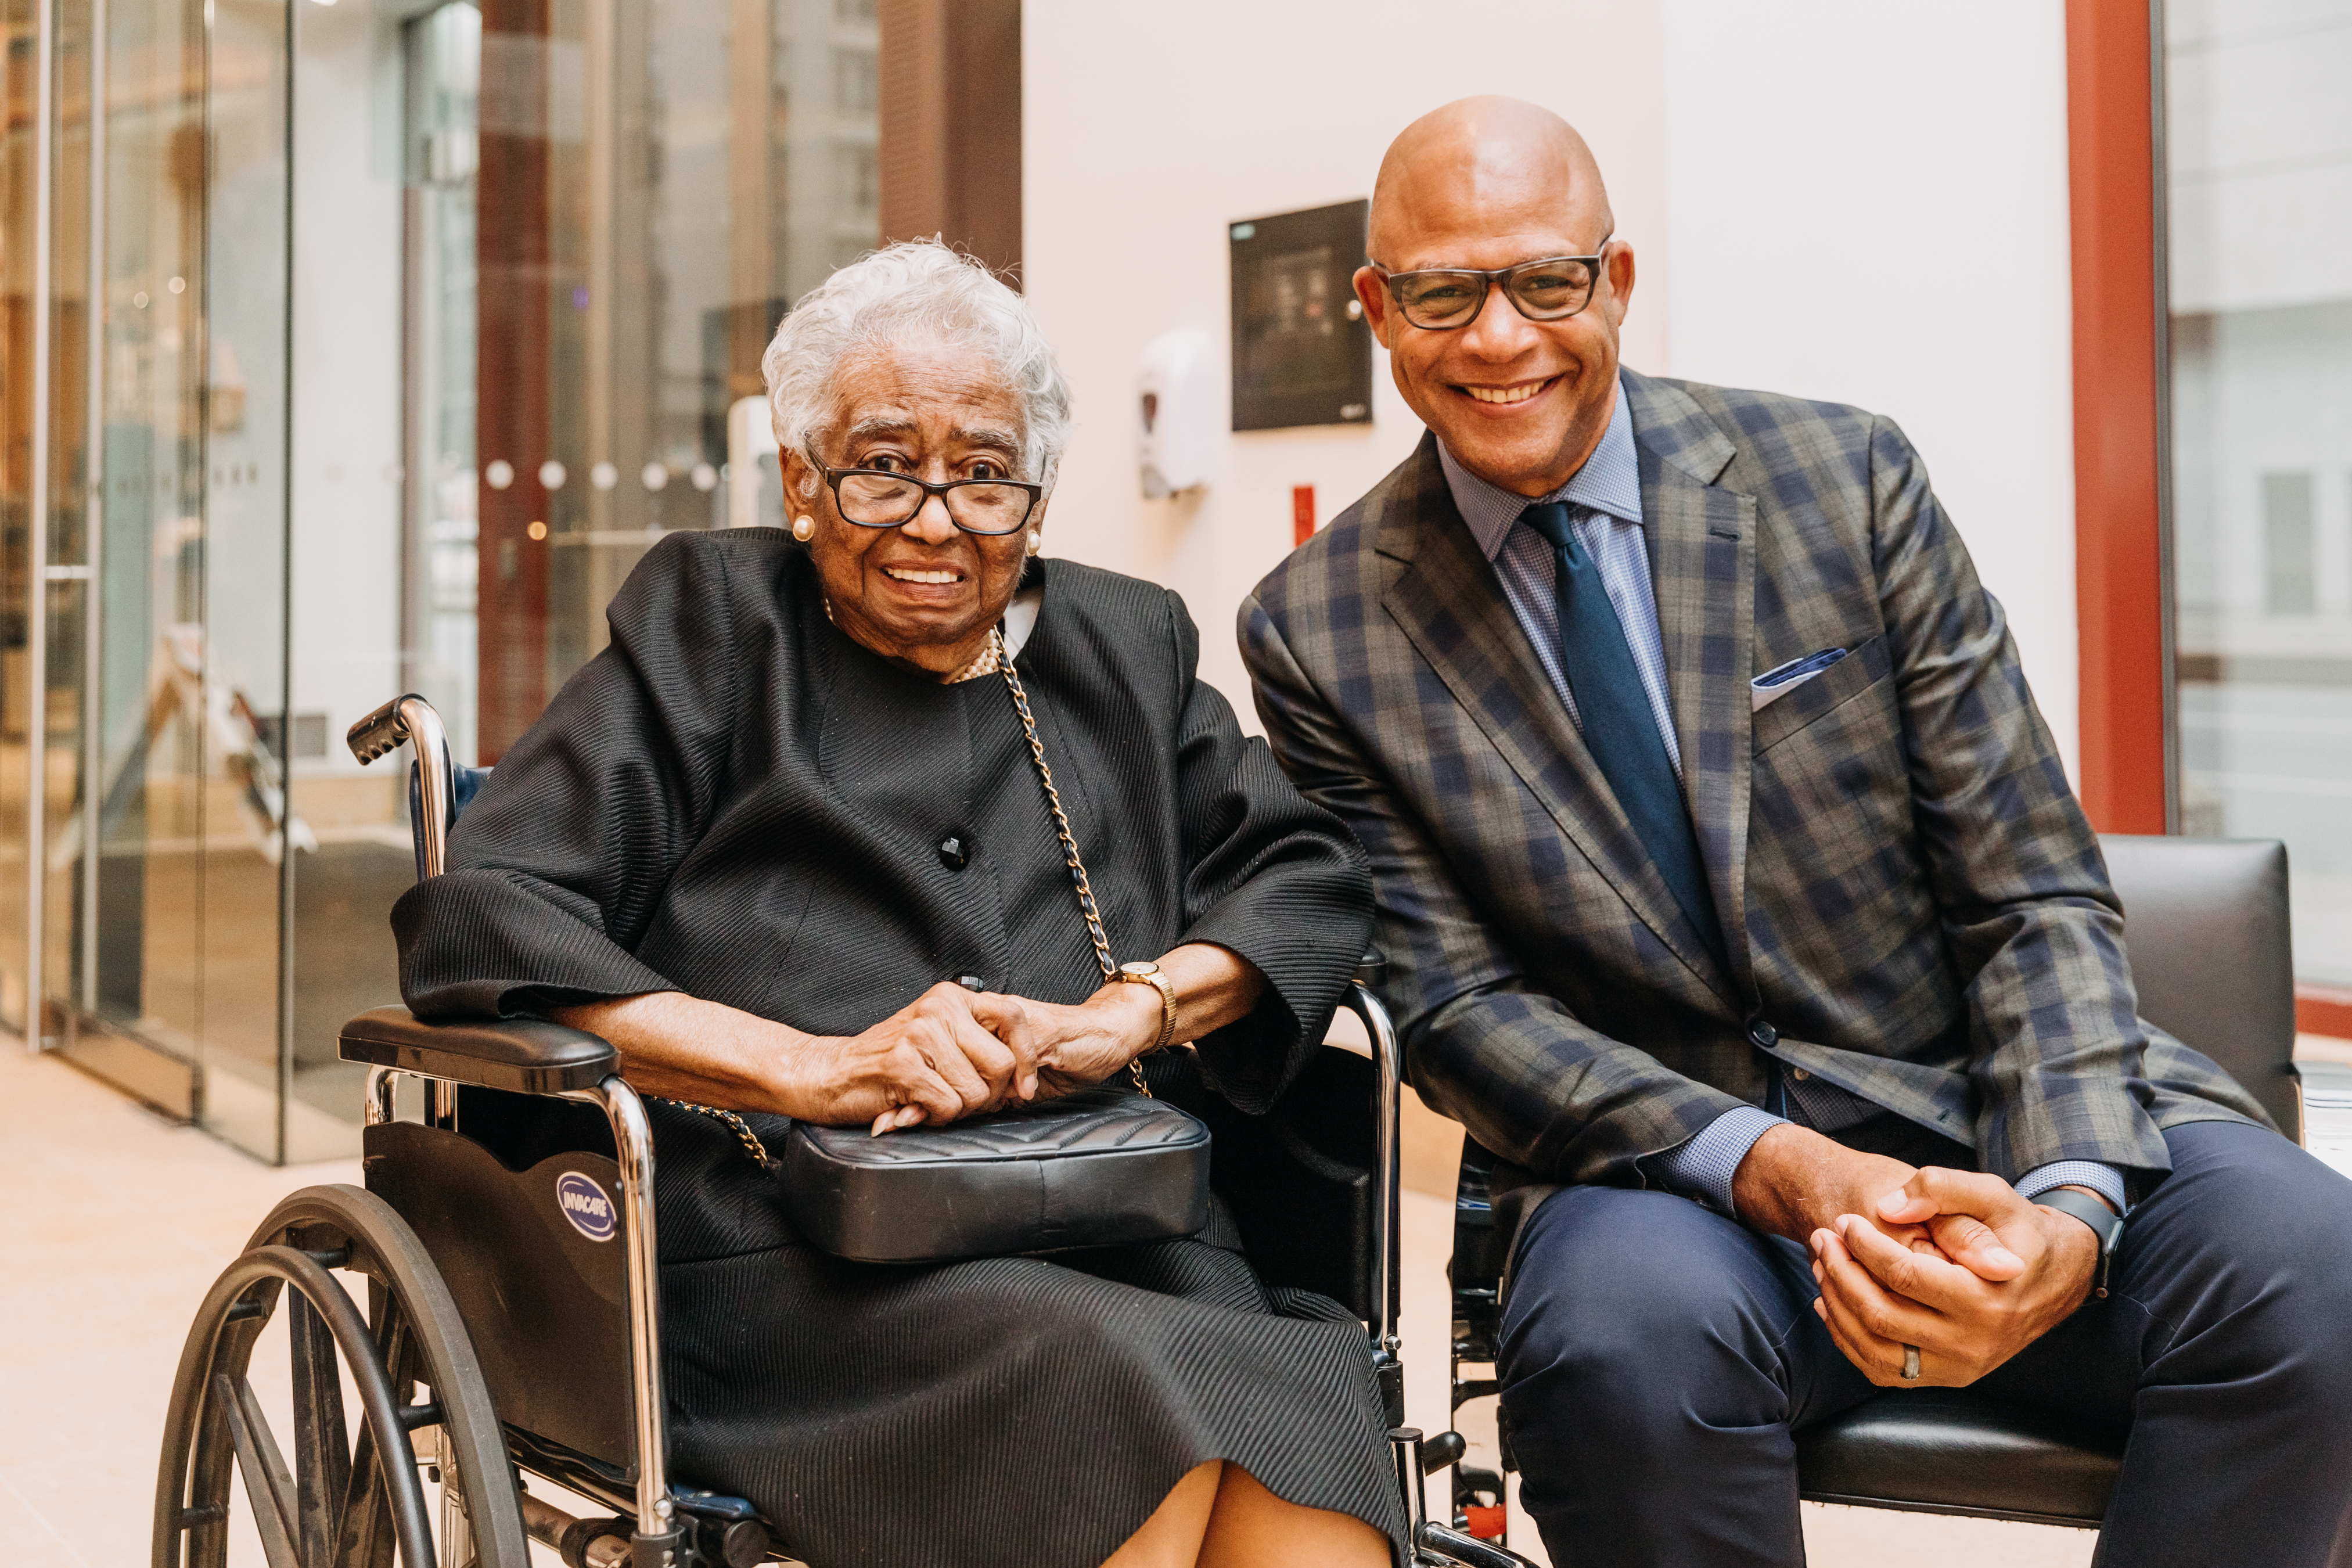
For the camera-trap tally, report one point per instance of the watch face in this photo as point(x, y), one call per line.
point(1139, 969)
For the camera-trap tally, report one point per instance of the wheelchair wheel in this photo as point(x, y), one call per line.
point(340, 1501)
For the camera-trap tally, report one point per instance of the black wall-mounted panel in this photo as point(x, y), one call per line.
point(1302, 354)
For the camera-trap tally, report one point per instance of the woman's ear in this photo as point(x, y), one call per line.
point(800, 477)
point(801, 488)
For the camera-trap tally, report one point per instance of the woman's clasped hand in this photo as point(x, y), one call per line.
point(954, 1052)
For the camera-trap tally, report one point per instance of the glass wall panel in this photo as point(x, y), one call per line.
point(442, 54)
point(387, 336)
point(20, 546)
point(145, 557)
point(241, 363)
point(358, 523)
point(139, 1013)
point(172, 862)
point(539, 246)
point(2259, 148)
point(655, 182)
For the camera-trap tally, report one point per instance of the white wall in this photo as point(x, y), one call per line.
point(1148, 130)
point(1868, 204)
point(1830, 198)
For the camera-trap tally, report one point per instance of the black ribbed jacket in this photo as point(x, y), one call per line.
point(736, 801)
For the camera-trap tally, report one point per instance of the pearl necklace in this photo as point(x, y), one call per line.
point(990, 659)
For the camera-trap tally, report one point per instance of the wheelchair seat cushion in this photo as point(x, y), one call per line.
point(1099, 1168)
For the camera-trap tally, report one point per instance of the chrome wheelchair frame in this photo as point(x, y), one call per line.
point(355, 1507)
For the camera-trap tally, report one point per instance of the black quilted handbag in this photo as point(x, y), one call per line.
point(1103, 1167)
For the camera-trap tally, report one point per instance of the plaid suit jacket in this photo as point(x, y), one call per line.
point(1922, 912)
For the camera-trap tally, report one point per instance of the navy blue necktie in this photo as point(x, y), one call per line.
point(1619, 729)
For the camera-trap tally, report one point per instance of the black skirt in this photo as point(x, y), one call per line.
point(1022, 1411)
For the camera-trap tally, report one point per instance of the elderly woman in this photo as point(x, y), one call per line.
point(785, 844)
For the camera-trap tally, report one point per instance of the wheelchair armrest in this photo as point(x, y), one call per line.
point(523, 1056)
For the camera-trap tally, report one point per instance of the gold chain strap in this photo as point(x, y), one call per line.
point(1070, 845)
point(994, 657)
point(750, 1140)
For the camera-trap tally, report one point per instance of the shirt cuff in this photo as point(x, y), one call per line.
point(1702, 1167)
point(2103, 1180)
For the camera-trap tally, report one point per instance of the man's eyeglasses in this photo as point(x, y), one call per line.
point(872, 498)
point(1442, 299)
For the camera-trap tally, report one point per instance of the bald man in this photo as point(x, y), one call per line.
point(1734, 896)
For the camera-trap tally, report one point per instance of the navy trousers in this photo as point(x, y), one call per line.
point(1656, 1358)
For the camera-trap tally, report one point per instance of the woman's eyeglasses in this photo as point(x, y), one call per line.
point(1442, 299)
point(872, 498)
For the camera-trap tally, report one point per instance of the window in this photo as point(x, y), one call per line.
point(853, 81)
point(2260, 186)
point(858, 176)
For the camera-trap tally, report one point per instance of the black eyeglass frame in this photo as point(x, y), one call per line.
point(1488, 281)
point(833, 477)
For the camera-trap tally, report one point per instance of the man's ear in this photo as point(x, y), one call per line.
point(1618, 267)
point(1374, 295)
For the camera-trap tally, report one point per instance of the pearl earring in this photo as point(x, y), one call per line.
point(1035, 543)
point(803, 527)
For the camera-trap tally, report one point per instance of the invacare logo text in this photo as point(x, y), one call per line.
point(586, 1206)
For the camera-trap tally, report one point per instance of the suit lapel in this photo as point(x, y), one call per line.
point(1703, 559)
point(1452, 607)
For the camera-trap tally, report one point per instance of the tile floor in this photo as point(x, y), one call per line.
point(113, 1224)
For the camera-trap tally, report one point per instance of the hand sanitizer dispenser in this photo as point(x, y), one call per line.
point(755, 486)
point(1177, 412)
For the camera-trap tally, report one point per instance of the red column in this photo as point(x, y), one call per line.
point(2118, 559)
point(511, 349)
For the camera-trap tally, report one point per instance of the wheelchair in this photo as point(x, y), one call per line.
point(512, 1328)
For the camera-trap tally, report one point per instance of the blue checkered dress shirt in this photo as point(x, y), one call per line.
point(1606, 497)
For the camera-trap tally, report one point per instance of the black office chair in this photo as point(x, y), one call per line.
point(520, 1286)
point(2206, 927)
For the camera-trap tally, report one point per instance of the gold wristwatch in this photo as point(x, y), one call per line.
point(1148, 974)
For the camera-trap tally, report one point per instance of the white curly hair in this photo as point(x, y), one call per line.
point(915, 287)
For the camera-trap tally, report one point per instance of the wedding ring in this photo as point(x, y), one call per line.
point(1910, 1364)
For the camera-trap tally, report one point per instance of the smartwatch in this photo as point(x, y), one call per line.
point(2105, 1222)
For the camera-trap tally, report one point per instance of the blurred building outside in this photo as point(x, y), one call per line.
point(2259, 143)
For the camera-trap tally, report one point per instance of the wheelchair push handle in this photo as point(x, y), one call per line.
point(381, 732)
point(410, 719)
